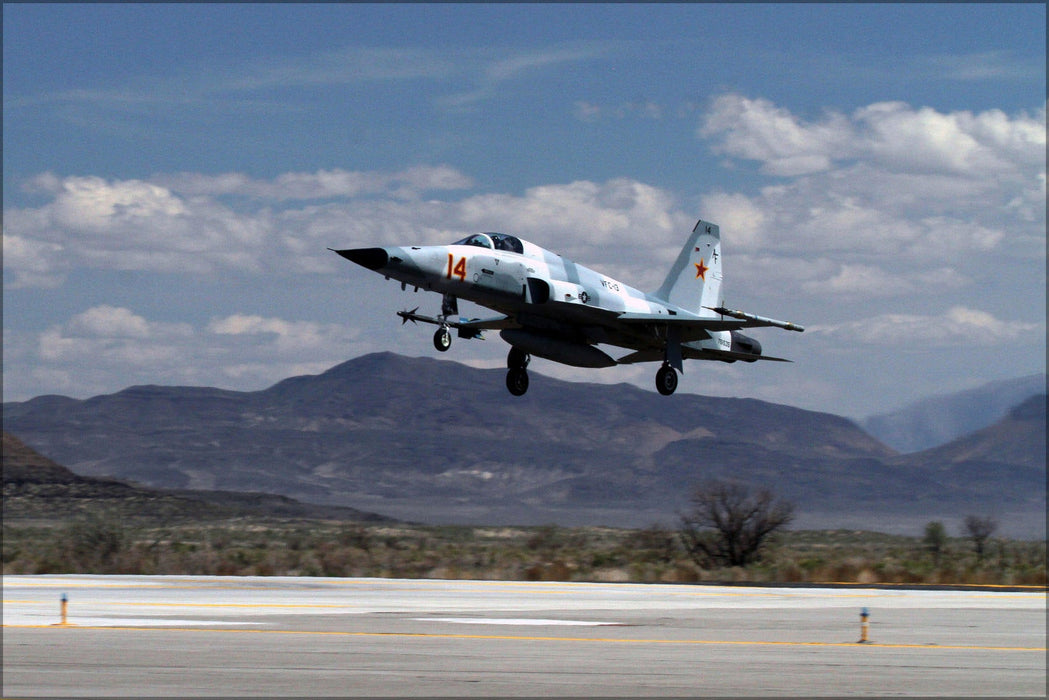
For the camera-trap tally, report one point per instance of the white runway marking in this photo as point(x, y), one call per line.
point(17, 620)
point(516, 621)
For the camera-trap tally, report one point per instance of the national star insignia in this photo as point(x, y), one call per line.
point(701, 270)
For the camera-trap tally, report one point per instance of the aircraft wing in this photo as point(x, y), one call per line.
point(689, 322)
point(736, 320)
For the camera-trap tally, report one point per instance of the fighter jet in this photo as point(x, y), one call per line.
point(556, 309)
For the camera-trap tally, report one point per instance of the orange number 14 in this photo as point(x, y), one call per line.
point(456, 269)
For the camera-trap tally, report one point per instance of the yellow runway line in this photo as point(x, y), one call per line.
point(524, 638)
point(117, 603)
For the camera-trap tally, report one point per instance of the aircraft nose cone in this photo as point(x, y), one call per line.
point(371, 258)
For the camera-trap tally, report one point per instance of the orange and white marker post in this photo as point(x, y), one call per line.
point(864, 626)
point(64, 610)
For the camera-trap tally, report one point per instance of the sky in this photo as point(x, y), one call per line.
point(174, 175)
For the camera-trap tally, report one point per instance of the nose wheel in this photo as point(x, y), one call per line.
point(442, 339)
point(666, 380)
point(517, 374)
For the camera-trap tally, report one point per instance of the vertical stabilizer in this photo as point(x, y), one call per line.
point(694, 281)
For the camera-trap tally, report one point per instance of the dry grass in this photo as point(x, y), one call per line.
point(101, 544)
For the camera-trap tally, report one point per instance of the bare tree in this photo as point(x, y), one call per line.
point(730, 521)
point(979, 529)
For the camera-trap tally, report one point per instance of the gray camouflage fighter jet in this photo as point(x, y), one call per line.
point(553, 308)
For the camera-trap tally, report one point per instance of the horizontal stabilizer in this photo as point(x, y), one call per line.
point(691, 353)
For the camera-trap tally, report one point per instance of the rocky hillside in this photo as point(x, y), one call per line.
point(36, 488)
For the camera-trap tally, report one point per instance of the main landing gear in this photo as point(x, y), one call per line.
point(517, 374)
point(666, 380)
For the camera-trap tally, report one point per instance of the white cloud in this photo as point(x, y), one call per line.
point(487, 73)
point(93, 203)
point(110, 322)
point(182, 224)
point(892, 135)
point(334, 68)
point(644, 110)
point(131, 225)
point(915, 198)
point(83, 354)
point(925, 140)
point(857, 282)
point(756, 129)
point(288, 339)
point(988, 65)
point(586, 111)
point(28, 263)
point(221, 87)
point(957, 325)
point(322, 184)
point(239, 324)
point(863, 280)
point(113, 337)
point(928, 189)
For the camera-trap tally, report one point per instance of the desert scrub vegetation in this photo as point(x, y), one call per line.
point(102, 544)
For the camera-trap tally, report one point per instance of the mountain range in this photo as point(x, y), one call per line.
point(436, 441)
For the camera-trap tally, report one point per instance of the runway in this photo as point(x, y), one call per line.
point(287, 636)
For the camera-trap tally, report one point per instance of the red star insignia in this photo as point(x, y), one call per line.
point(701, 270)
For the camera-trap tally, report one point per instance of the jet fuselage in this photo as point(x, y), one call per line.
point(552, 293)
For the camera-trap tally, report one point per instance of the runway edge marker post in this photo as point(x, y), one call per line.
point(63, 609)
point(864, 626)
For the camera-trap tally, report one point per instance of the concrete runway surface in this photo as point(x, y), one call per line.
point(285, 636)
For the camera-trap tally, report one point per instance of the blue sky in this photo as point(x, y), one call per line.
point(173, 175)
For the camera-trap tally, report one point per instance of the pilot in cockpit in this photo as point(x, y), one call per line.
point(499, 241)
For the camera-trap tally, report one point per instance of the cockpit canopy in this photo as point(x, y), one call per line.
point(495, 241)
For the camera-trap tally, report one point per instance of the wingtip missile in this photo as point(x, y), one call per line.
point(755, 319)
point(408, 315)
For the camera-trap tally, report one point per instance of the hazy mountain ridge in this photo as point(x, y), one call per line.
point(433, 440)
point(939, 419)
point(1016, 439)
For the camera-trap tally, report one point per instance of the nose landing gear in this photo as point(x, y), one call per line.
point(442, 339)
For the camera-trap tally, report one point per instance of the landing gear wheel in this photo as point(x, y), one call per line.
point(518, 358)
point(517, 381)
point(666, 380)
point(442, 339)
